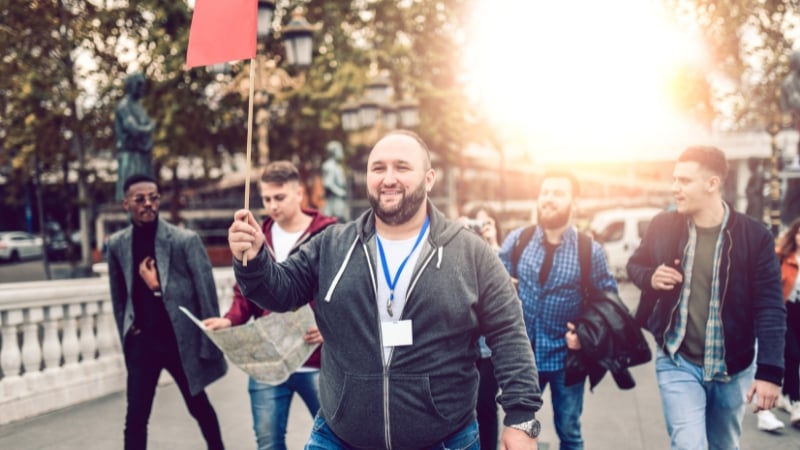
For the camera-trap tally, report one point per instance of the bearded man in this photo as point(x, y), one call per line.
point(549, 283)
point(401, 296)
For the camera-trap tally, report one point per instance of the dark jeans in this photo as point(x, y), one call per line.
point(791, 380)
point(145, 357)
point(487, 405)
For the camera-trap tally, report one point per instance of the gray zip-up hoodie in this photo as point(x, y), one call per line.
point(427, 391)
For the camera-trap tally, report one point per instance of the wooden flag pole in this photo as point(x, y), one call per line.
point(249, 147)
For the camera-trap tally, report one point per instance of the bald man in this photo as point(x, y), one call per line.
point(401, 296)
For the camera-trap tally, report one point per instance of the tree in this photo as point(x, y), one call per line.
point(417, 41)
point(749, 43)
point(43, 127)
point(64, 62)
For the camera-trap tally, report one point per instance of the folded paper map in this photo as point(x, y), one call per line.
point(270, 348)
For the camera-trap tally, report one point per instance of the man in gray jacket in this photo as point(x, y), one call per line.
point(155, 267)
point(402, 295)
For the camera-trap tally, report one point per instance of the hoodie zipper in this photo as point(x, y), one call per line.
point(386, 421)
point(372, 278)
point(387, 437)
point(722, 295)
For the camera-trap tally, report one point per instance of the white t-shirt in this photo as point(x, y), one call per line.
point(283, 241)
point(396, 252)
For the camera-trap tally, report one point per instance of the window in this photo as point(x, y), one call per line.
point(612, 232)
point(642, 227)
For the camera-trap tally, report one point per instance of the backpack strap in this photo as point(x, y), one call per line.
point(584, 255)
point(585, 261)
point(522, 242)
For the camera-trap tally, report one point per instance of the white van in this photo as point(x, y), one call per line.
point(619, 231)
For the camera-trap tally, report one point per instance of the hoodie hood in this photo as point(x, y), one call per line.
point(318, 222)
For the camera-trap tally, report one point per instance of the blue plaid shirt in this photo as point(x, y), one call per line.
point(547, 308)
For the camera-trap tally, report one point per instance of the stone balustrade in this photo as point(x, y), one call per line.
point(59, 344)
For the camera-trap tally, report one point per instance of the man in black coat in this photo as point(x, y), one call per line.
point(711, 287)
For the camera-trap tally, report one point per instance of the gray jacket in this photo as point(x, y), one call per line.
point(184, 272)
point(459, 290)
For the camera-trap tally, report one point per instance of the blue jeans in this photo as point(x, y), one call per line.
point(701, 414)
point(270, 406)
point(322, 438)
point(567, 408)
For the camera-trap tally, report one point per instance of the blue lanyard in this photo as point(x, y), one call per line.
point(393, 282)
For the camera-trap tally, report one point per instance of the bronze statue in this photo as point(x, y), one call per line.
point(790, 88)
point(755, 189)
point(335, 183)
point(133, 133)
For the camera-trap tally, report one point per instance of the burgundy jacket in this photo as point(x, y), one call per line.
point(242, 309)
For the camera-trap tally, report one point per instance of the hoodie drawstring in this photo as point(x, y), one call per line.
point(341, 271)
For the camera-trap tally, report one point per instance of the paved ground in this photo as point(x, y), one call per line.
point(612, 419)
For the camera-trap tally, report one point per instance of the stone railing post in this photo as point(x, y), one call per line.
point(69, 340)
point(70, 350)
point(10, 356)
point(51, 346)
point(88, 341)
point(108, 347)
point(31, 348)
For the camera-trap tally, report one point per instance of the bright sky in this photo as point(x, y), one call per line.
point(581, 80)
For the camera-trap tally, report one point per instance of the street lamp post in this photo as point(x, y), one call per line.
point(364, 121)
point(376, 113)
point(272, 84)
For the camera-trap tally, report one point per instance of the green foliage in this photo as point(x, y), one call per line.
point(749, 43)
point(64, 62)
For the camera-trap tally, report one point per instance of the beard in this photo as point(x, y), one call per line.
point(557, 220)
point(404, 210)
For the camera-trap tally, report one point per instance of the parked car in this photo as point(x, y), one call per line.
point(18, 245)
point(57, 246)
point(56, 242)
point(619, 231)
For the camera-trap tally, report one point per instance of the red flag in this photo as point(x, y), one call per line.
point(222, 30)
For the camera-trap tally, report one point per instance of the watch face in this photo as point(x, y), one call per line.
point(531, 427)
point(536, 427)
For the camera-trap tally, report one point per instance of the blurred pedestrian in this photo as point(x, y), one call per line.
point(710, 286)
point(790, 260)
point(154, 267)
point(550, 286)
point(401, 295)
point(482, 220)
point(285, 230)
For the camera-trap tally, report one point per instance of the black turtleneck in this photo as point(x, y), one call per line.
point(150, 316)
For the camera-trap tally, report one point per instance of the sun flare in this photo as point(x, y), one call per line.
point(582, 80)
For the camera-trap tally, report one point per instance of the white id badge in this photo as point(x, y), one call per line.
point(396, 334)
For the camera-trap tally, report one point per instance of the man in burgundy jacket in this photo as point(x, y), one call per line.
point(287, 227)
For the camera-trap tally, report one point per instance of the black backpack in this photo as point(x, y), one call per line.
point(630, 347)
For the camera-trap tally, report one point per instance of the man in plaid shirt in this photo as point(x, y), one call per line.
point(549, 282)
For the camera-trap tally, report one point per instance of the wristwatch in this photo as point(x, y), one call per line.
point(531, 427)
